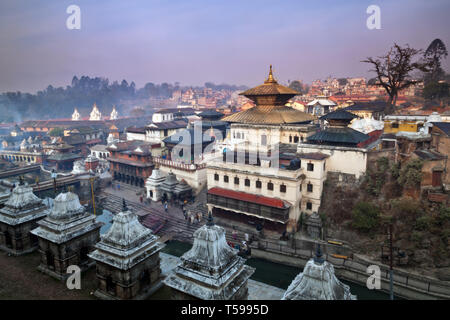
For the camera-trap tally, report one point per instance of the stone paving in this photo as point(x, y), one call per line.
point(256, 290)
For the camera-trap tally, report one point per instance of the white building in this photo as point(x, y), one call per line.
point(114, 114)
point(95, 115)
point(76, 115)
point(259, 177)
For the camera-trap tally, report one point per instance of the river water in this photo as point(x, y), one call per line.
point(268, 272)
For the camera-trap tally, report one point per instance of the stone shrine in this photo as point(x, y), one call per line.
point(211, 270)
point(18, 217)
point(317, 282)
point(127, 259)
point(66, 236)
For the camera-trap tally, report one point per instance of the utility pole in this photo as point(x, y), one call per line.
point(92, 192)
point(54, 175)
point(391, 271)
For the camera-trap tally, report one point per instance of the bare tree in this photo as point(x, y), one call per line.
point(393, 69)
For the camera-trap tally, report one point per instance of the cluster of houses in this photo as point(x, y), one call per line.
point(276, 149)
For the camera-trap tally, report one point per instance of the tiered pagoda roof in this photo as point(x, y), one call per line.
point(67, 220)
point(211, 270)
point(337, 133)
point(22, 206)
point(126, 243)
point(270, 99)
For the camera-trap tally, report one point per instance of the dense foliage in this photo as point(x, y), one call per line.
point(411, 173)
point(365, 216)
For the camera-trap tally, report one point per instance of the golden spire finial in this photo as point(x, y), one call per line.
point(270, 79)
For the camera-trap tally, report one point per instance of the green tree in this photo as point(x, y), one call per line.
point(296, 85)
point(436, 90)
point(56, 132)
point(411, 173)
point(365, 216)
point(435, 52)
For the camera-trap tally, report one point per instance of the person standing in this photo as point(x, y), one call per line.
point(141, 199)
point(234, 234)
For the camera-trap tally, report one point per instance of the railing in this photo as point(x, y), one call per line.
point(358, 265)
point(179, 165)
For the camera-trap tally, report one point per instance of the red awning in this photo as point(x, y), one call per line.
point(238, 195)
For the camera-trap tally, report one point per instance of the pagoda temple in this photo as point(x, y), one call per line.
point(257, 180)
point(76, 115)
point(18, 217)
point(338, 132)
point(270, 99)
point(95, 115)
point(171, 189)
point(317, 282)
point(211, 270)
point(114, 114)
point(127, 259)
point(66, 236)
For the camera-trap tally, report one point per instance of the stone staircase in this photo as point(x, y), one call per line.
point(174, 223)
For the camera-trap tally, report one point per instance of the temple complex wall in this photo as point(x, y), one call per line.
point(292, 194)
point(195, 178)
point(342, 159)
point(315, 178)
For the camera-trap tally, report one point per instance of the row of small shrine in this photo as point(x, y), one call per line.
point(127, 255)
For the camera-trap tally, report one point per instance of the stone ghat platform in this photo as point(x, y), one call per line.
point(256, 290)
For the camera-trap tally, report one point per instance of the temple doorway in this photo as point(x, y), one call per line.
point(8, 239)
point(50, 260)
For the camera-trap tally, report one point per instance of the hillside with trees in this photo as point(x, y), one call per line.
point(82, 93)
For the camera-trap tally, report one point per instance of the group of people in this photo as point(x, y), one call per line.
point(244, 246)
point(191, 217)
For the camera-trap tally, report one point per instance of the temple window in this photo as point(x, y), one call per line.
point(247, 182)
point(225, 178)
point(308, 206)
point(270, 186)
point(296, 139)
point(309, 187)
point(258, 184)
point(236, 180)
point(310, 167)
point(216, 177)
point(283, 188)
point(263, 140)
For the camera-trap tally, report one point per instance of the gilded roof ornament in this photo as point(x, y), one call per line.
point(270, 79)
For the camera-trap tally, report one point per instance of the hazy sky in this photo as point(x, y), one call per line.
point(205, 40)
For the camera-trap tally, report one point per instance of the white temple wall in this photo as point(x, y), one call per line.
point(196, 178)
point(135, 136)
point(345, 160)
point(292, 194)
